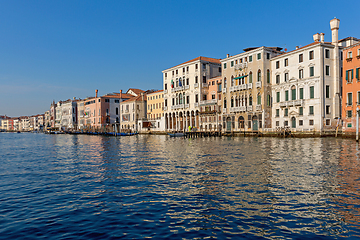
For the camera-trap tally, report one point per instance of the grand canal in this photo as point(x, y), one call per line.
point(94, 187)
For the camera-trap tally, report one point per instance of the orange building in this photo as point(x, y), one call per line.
point(351, 86)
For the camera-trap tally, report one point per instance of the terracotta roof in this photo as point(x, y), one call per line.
point(135, 90)
point(135, 99)
point(156, 92)
point(349, 38)
point(207, 59)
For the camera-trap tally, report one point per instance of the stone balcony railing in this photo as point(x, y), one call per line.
point(179, 106)
point(249, 85)
point(292, 103)
point(165, 108)
point(205, 102)
point(204, 85)
point(258, 107)
point(165, 91)
point(196, 104)
point(224, 110)
point(249, 108)
point(186, 87)
point(258, 84)
point(196, 85)
point(224, 90)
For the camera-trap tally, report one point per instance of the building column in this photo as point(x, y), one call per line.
point(186, 123)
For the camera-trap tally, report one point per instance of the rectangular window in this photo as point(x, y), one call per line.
point(286, 112)
point(300, 58)
point(277, 79)
point(311, 122)
point(286, 62)
point(286, 77)
point(301, 73)
point(358, 98)
point(327, 91)
point(250, 58)
point(311, 71)
point(224, 65)
point(232, 63)
point(277, 123)
point(349, 114)
point(259, 56)
point(327, 70)
point(327, 109)
point(301, 93)
point(267, 55)
point(350, 55)
point(286, 95)
point(311, 55)
point(327, 53)
point(293, 94)
point(349, 99)
point(277, 64)
point(312, 92)
point(349, 125)
point(301, 111)
point(311, 110)
point(358, 74)
point(277, 96)
point(301, 122)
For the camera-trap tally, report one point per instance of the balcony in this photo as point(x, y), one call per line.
point(249, 85)
point(292, 103)
point(165, 109)
point(196, 85)
point(224, 90)
point(186, 87)
point(224, 110)
point(179, 106)
point(258, 84)
point(232, 89)
point(204, 85)
point(258, 107)
point(206, 102)
point(187, 106)
point(242, 109)
point(196, 104)
point(249, 108)
point(165, 91)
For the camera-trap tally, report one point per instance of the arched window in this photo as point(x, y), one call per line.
point(232, 81)
point(259, 99)
point(224, 82)
point(232, 102)
point(259, 76)
point(224, 103)
point(180, 98)
point(250, 77)
point(268, 76)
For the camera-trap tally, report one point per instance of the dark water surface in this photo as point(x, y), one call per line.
point(93, 187)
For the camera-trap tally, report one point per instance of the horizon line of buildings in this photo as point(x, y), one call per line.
point(311, 88)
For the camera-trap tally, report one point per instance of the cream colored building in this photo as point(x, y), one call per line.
point(155, 111)
point(131, 111)
point(306, 85)
point(183, 85)
point(246, 89)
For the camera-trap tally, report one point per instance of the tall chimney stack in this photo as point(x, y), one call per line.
point(96, 92)
point(227, 55)
point(316, 37)
point(334, 25)
point(322, 37)
point(120, 94)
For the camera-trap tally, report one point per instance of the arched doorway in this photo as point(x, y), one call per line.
point(255, 123)
point(241, 122)
point(293, 122)
point(228, 124)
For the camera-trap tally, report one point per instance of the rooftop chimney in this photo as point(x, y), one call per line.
point(297, 47)
point(142, 96)
point(96, 92)
point(334, 25)
point(227, 55)
point(120, 94)
point(316, 37)
point(322, 37)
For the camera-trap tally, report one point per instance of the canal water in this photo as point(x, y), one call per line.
point(95, 187)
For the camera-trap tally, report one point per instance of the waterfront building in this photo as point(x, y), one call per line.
point(183, 86)
point(155, 112)
point(16, 124)
point(52, 114)
point(24, 124)
point(81, 113)
point(351, 86)
point(47, 118)
point(210, 105)
point(104, 112)
point(306, 85)
point(246, 89)
point(66, 114)
point(133, 110)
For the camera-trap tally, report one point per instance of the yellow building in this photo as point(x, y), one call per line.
point(155, 105)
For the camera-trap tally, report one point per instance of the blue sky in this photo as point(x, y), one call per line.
point(55, 50)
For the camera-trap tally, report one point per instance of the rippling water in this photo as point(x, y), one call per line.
point(94, 187)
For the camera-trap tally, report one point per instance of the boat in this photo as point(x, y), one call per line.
point(128, 134)
point(178, 134)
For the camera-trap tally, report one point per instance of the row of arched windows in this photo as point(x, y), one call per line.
point(250, 78)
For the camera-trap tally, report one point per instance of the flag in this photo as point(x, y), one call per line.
point(172, 84)
point(180, 84)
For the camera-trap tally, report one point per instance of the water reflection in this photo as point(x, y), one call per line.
point(161, 187)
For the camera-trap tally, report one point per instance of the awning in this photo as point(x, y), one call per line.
point(240, 77)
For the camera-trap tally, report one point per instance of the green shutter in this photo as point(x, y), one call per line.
point(293, 94)
point(347, 75)
point(352, 74)
point(357, 73)
point(268, 76)
point(301, 93)
point(312, 92)
point(278, 97)
point(300, 111)
point(286, 95)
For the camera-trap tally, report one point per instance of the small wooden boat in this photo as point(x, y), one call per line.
point(178, 134)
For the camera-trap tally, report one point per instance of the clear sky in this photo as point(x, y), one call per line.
point(56, 50)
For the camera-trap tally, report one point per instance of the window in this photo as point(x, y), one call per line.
point(286, 112)
point(301, 111)
point(358, 98)
point(268, 55)
point(250, 77)
point(349, 114)
point(286, 77)
point(286, 62)
point(286, 123)
point(187, 68)
point(107, 100)
point(250, 58)
point(196, 79)
point(277, 123)
point(311, 55)
point(349, 75)
point(259, 99)
point(258, 56)
point(349, 55)
point(286, 95)
point(293, 93)
point(327, 109)
point(301, 122)
point(117, 111)
point(268, 100)
point(349, 125)
point(327, 53)
point(259, 76)
point(312, 92)
point(311, 110)
point(231, 63)
point(327, 70)
point(277, 64)
point(277, 96)
point(268, 76)
point(178, 70)
point(349, 99)
point(224, 65)
point(300, 58)
point(196, 66)
point(301, 73)
point(165, 75)
point(277, 79)
point(358, 74)
point(250, 101)
point(116, 101)
point(311, 71)
point(196, 98)
point(327, 91)
point(277, 113)
point(311, 122)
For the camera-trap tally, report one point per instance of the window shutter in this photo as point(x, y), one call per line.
point(346, 75)
point(357, 73)
point(352, 74)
